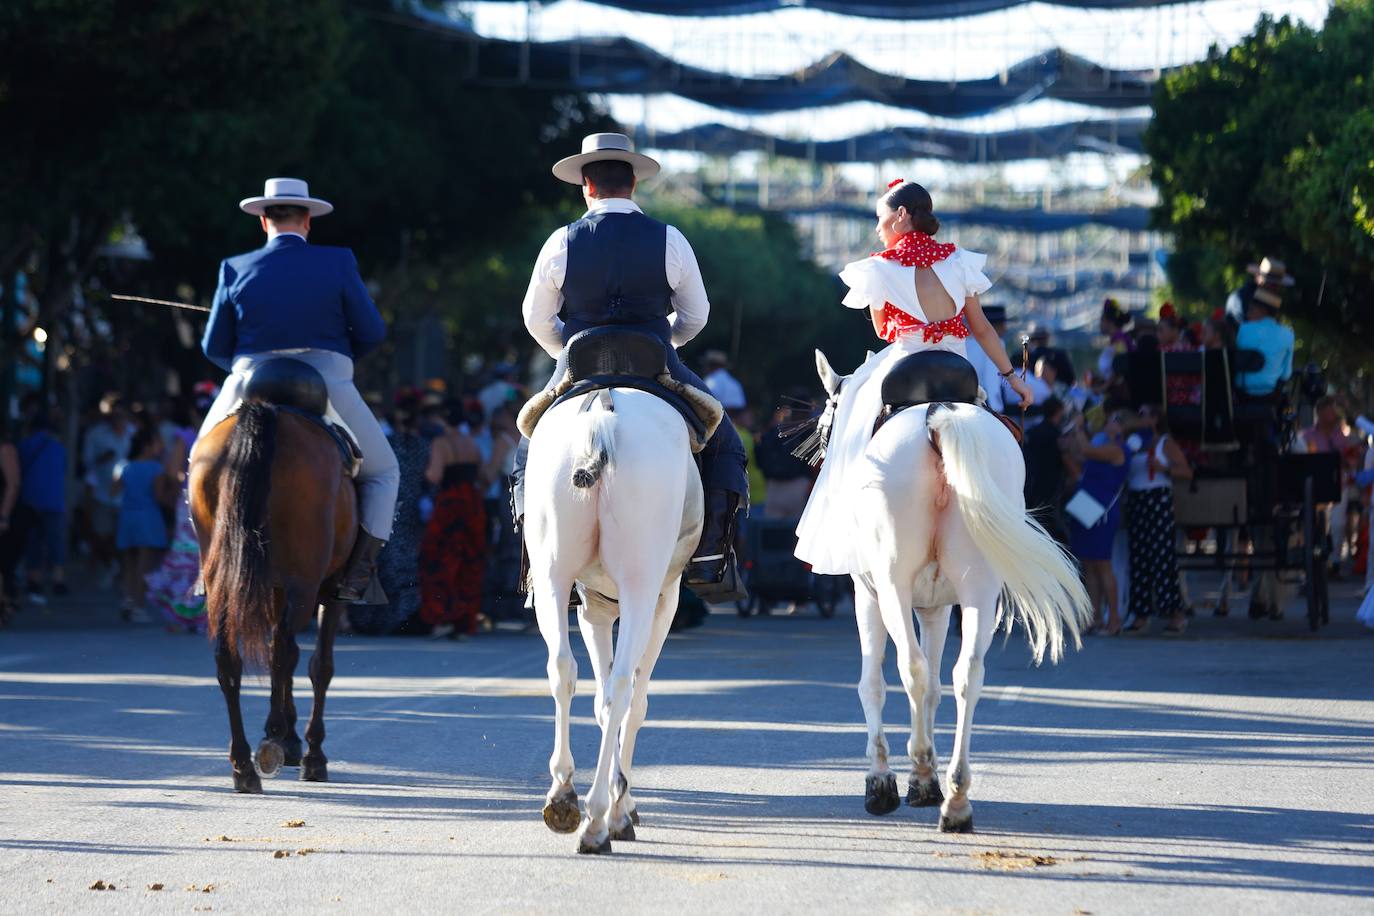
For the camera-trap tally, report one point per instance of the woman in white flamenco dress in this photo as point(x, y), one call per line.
point(922, 295)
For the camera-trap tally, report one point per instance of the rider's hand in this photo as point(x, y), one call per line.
point(1019, 385)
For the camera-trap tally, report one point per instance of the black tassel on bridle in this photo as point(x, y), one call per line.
point(818, 427)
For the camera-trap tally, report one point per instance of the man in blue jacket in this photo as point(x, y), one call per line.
point(306, 302)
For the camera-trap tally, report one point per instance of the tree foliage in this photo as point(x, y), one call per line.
point(1267, 149)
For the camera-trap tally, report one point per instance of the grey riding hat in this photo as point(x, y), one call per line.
point(601, 148)
point(285, 192)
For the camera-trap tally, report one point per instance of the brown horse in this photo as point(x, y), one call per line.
point(276, 517)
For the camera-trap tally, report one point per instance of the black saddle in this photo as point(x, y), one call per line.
point(612, 357)
point(930, 376)
point(296, 386)
point(288, 383)
point(938, 378)
point(615, 351)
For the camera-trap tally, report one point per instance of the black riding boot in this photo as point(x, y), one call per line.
point(358, 584)
point(712, 573)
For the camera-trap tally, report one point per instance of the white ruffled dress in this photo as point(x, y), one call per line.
point(825, 535)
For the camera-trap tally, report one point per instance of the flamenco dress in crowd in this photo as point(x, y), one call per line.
point(886, 282)
point(453, 552)
point(170, 586)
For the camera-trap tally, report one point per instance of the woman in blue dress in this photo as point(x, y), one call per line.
point(141, 535)
point(1106, 462)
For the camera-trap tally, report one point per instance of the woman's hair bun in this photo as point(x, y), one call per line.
point(917, 201)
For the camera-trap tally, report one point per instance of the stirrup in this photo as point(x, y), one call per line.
point(730, 586)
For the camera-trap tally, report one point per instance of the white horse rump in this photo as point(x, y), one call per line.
point(614, 506)
point(939, 528)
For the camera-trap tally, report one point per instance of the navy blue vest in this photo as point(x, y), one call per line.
point(616, 272)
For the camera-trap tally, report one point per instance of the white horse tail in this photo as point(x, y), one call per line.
point(594, 440)
point(1041, 582)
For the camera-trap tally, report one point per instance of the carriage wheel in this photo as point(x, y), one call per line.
point(825, 593)
point(745, 606)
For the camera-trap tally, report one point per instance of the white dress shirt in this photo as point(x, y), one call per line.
point(544, 298)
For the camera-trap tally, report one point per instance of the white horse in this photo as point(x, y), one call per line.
point(614, 506)
point(940, 527)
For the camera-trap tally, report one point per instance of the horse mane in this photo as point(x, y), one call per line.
point(238, 583)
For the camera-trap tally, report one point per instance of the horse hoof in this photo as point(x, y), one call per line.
point(880, 794)
point(586, 847)
point(950, 825)
point(314, 770)
point(924, 795)
point(561, 814)
point(270, 757)
point(634, 816)
point(247, 782)
point(626, 833)
point(292, 749)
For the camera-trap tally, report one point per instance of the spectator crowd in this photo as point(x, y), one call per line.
point(1102, 466)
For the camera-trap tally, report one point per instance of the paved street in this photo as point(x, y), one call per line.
point(1231, 770)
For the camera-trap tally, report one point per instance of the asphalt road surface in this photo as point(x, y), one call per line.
point(1231, 770)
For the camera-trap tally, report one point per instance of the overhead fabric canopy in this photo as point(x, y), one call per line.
point(911, 142)
point(1066, 286)
point(1133, 219)
point(621, 66)
point(869, 9)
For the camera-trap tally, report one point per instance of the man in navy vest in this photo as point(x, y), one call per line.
point(306, 302)
point(616, 266)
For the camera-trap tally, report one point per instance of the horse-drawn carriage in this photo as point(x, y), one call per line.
point(773, 575)
point(1250, 487)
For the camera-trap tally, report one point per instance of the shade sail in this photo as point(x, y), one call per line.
point(623, 66)
point(1134, 219)
point(870, 9)
point(911, 142)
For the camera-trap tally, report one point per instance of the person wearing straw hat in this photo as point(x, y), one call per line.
point(617, 266)
point(307, 302)
point(1262, 331)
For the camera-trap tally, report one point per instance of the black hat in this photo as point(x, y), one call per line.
point(995, 313)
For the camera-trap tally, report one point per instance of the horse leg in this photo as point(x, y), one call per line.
point(314, 765)
point(978, 597)
point(923, 788)
point(880, 786)
point(894, 603)
point(600, 648)
point(272, 751)
point(229, 668)
point(637, 603)
point(624, 814)
point(551, 591)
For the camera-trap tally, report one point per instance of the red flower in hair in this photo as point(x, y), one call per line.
point(1219, 314)
point(1167, 311)
point(893, 184)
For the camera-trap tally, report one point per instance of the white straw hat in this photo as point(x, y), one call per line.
point(602, 148)
point(285, 192)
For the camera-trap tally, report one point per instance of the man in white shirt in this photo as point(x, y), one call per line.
point(616, 266)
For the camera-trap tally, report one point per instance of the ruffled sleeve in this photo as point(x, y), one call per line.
point(971, 270)
point(866, 284)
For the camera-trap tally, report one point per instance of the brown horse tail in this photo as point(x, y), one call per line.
point(238, 597)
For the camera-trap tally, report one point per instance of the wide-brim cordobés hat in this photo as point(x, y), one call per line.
point(605, 148)
point(285, 192)
point(1271, 272)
